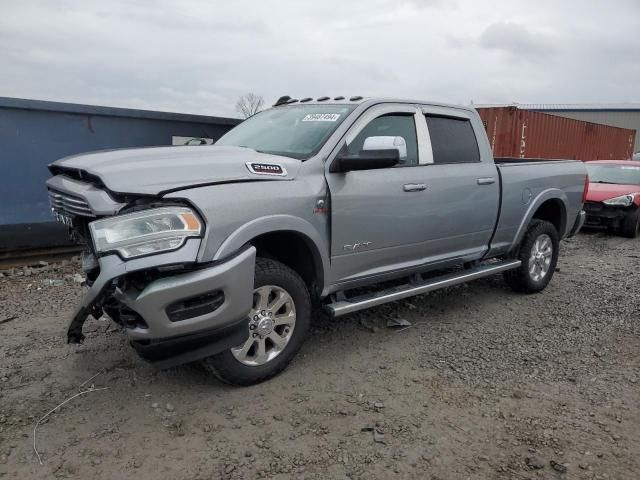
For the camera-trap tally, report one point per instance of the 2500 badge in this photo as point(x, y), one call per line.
point(266, 169)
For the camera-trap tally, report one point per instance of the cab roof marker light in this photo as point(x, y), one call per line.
point(282, 100)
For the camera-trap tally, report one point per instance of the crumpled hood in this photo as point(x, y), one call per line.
point(151, 171)
point(599, 192)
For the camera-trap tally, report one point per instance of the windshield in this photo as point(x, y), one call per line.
point(618, 174)
point(297, 131)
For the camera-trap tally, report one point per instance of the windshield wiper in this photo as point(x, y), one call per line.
point(609, 183)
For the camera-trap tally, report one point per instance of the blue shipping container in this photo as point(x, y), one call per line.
point(34, 133)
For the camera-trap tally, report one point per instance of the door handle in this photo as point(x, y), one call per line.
point(414, 187)
point(486, 180)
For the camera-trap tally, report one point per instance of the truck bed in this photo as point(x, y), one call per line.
point(525, 183)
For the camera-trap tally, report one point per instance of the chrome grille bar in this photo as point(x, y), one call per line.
point(68, 204)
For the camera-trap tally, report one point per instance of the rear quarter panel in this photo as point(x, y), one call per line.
point(525, 187)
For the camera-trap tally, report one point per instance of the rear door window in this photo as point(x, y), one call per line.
point(452, 140)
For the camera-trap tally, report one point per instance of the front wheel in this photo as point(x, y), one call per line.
point(631, 224)
point(278, 324)
point(538, 253)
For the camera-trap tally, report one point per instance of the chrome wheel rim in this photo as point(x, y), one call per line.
point(271, 323)
point(540, 258)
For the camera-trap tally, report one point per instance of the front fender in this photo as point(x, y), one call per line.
point(276, 223)
point(545, 195)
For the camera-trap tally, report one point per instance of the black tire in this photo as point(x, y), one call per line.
point(520, 279)
point(230, 370)
point(631, 224)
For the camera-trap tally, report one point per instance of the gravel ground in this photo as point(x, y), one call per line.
point(486, 383)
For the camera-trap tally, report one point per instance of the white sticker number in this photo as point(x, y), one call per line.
point(321, 117)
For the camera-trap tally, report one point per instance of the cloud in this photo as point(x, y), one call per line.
point(199, 56)
point(516, 40)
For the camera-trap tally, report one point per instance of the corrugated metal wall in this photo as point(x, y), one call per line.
point(514, 132)
point(35, 133)
point(617, 118)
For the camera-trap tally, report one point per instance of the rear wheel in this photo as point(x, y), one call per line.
point(278, 324)
point(538, 253)
point(631, 224)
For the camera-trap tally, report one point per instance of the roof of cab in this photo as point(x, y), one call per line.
point(368, 101)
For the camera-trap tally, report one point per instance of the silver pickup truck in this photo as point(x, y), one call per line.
point(219, 253)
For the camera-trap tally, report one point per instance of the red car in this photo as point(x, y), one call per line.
point(613, 199)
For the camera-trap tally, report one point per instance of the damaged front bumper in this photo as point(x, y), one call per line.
point(182, 314)
point(611, 216)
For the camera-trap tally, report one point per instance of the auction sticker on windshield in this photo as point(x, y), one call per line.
point(321, 117)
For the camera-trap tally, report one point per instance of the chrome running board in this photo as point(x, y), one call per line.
point(345, 306)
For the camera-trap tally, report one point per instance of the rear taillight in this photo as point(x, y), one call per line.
point(586, 189)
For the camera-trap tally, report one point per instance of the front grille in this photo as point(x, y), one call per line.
point(65, 203)
point(592, 207)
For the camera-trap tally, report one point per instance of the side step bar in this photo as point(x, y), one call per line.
point(343, 307)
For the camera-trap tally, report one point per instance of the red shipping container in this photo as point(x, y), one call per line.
point(518, 133)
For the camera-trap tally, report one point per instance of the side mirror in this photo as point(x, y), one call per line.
point(377, 152)
point(387, 143)
point(365, 160)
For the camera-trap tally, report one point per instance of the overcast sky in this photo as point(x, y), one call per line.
point(199, 56)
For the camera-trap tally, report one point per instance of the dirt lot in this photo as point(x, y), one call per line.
point(485, 384)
